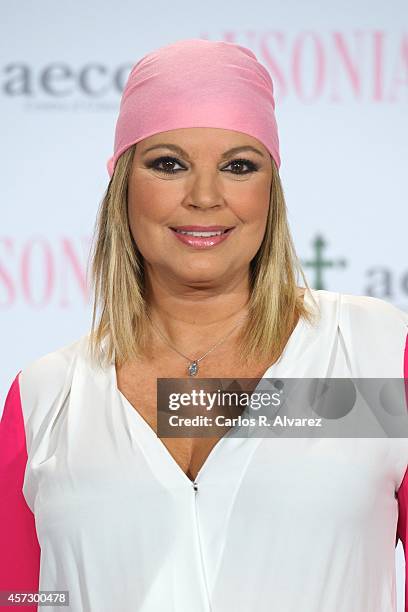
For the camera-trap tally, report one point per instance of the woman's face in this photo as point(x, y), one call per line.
point(193, 180)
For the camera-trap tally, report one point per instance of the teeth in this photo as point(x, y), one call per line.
point(202, 234)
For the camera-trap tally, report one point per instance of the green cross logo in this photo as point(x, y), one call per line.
point(319, 263)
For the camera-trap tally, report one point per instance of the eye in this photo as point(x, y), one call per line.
point(239, 162)
point(168, 161)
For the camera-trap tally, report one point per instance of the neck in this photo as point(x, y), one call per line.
point(191, 317)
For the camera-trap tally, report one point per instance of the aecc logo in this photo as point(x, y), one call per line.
point(60, 80)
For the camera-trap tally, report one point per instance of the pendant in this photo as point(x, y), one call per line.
point(193, 368)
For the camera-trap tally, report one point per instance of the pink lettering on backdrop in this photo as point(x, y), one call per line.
point(41, 272)
point(400, 76)
point(277, 74)
point(6, 279)
point(305, 41)
point(371, 65)
point(70, 261)
point(378, 44)
point(45, 272)
point(350, 60)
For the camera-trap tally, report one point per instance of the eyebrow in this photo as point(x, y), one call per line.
point(184, 154)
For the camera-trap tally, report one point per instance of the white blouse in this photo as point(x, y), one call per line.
point(274, 523)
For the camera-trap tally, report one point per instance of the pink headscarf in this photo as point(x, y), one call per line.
point(197, 83)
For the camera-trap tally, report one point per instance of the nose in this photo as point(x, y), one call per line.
point(204, 192)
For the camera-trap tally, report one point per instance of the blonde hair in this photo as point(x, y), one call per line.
point(117, 272)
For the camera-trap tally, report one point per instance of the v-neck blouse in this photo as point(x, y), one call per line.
point(93, 503)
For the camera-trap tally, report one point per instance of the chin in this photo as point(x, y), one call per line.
point(202, 274)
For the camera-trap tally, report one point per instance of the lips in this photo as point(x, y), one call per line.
point(201, 228)
point(201, 237)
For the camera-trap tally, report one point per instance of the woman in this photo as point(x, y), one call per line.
point(195, 275)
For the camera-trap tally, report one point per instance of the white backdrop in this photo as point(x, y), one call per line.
point(341, 87)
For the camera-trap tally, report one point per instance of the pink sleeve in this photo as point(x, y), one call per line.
point(402, 496)
point(20, 550)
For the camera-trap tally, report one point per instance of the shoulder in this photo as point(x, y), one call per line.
point(361, 306)
point(367, 309)
point(380, 324)
point(32, 395)
point(44, 380)
point(373, 333)
point(364, 310)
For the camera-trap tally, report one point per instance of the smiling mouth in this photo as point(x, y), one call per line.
point(198, 238)
point(202, 234)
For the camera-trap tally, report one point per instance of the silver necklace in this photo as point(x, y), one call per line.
point(192, 368)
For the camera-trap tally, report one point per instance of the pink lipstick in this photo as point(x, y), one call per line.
point(201, 236)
